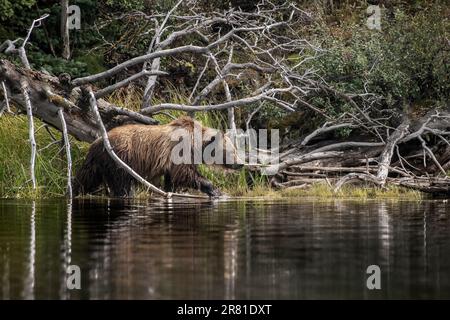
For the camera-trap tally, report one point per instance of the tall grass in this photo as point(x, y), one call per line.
point(131, 98)
point(50, 161)
point(324, 191)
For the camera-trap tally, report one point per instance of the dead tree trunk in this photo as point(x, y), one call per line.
point(48, 95)
point(65, 29)
point(386, 155)
point(399, 159)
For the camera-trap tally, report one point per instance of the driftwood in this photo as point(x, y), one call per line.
point(407, 167)
point(388, 151)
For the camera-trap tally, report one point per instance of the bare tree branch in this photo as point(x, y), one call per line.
point(232, 104)
point(356, 176)
point(108, 90)
point(5, 96)
point(24, 87)
point(10, 48)
point(151, 82)
point(324, 129)
point(68, 154)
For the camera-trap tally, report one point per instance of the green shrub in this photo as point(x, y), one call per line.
point(406, 62)
point(8, 8)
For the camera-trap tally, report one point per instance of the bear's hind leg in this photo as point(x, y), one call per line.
point(90, 176)
point(119, 183)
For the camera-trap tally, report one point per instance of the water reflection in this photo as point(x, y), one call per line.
point(67, 251)
point(28, 292)
point(224, 250)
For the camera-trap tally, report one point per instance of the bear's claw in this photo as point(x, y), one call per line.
point(214, 193)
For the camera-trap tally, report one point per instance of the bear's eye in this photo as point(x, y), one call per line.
point(212, 140)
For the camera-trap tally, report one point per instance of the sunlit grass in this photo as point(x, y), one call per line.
point(323, 190)
point(50, 160)
point(131, 98)
point(247, 184)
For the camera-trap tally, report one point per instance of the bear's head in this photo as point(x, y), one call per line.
point(207, 145)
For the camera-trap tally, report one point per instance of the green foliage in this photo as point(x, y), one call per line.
point(361, 192)
point(238, 183)
point(56, 65)
point(406, 62)
point(126, 4)
point(8, 8)
point(94, 63)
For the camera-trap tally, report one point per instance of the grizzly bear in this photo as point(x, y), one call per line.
point(149, 150)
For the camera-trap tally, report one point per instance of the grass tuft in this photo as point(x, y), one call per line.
point(15, 155)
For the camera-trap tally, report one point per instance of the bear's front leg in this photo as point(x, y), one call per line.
point(207, 187)
point(187, 176)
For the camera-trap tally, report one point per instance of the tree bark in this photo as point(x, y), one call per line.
point(65, 30)
point(386, 155)
point(24, 89)
point(48, 95)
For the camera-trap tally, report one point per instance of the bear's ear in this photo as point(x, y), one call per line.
point(184, 122)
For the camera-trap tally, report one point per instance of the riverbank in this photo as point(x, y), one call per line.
point(324, 191)
point(51, 170)
point(406, 58)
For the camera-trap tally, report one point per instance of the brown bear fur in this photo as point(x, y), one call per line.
point(147, 150)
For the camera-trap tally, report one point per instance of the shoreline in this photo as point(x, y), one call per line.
point(314, 192)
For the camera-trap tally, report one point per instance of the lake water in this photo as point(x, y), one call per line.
point(288, 249)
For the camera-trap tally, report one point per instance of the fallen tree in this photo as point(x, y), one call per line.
point(49, 95)
point(394, 148)
point(415, 154)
